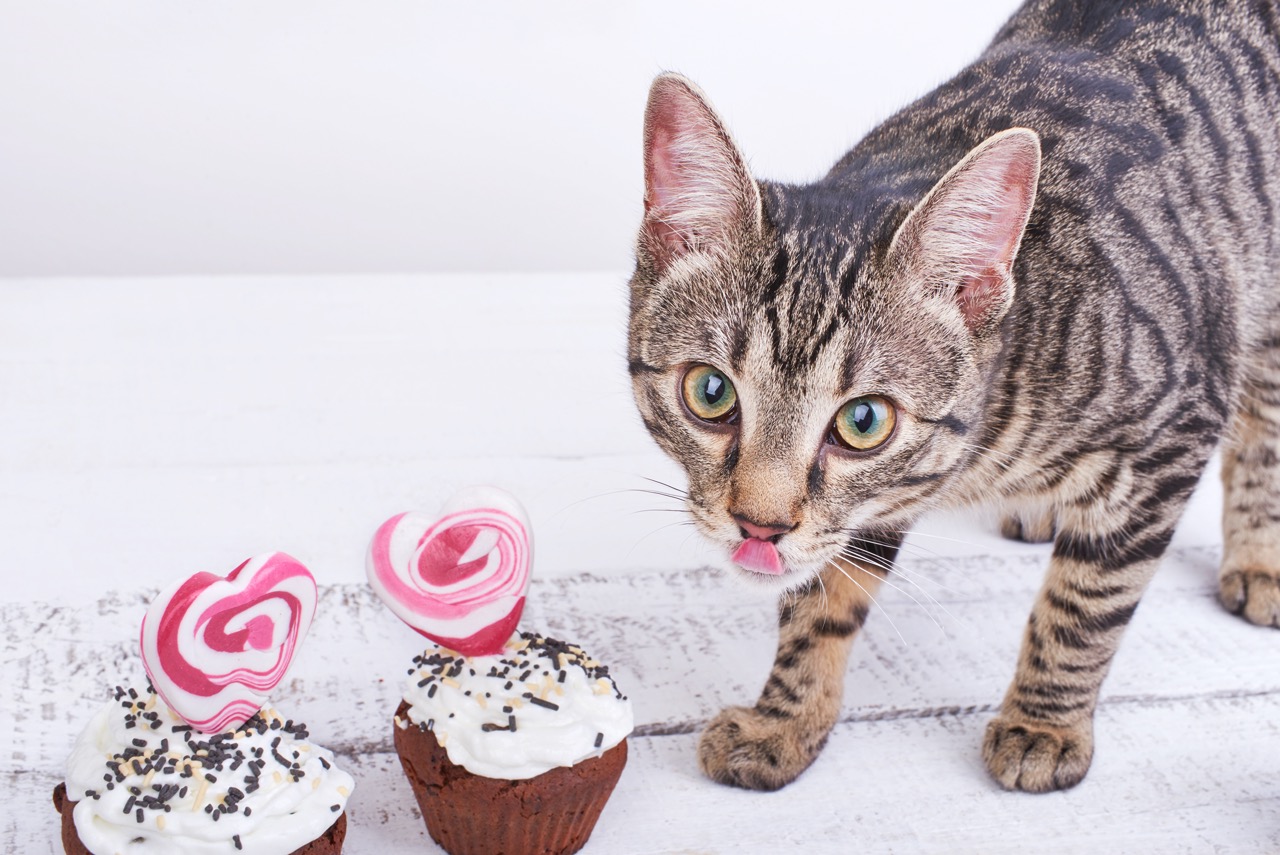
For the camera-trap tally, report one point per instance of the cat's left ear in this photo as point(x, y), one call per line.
point(699, 195)
point(964, 236)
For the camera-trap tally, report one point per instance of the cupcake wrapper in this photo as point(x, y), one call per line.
point(551, 814)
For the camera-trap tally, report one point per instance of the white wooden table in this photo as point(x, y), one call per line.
point(152, 428)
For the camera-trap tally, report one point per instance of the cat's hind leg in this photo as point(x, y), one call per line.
point(1030, 525)
point(767, 746)
point(1249, 581)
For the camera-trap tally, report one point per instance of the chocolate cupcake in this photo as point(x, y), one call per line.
point(512, 743)
point(199, 763)
point(516, 752)
point(142, 780)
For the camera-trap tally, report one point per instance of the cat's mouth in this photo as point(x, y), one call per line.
point(759, 556)
point(761, 561)
point(765, 563)
point(761, 564)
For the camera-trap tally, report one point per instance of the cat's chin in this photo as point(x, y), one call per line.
point(771, 583)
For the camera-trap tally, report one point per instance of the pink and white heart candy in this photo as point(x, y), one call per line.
point(214, 647)
point(459, 579)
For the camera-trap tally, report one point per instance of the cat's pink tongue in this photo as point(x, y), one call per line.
point(760, 556)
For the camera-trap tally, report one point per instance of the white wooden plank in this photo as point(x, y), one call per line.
point(689, 644)
point(1187, 731)
point(109, 526)
point(312, 369)
point(184, 423)
point(918, 786)
point(106, 526)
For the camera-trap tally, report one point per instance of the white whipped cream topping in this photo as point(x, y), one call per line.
point(282, 793)
point(539, 704)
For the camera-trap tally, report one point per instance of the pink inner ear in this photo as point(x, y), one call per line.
point(697, 190)
point(1000, 232)
point(973, 224)
point(663, 181)
point(978, 295)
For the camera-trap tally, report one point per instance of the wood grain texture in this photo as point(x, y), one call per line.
point(1188, 727)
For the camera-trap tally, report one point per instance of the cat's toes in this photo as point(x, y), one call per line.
point(1252, 594)
point(1036, 757)
point(745, 748)
point(1028, 526)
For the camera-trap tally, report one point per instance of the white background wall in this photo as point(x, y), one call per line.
point(144, 137)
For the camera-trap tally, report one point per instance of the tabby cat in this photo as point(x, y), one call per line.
point(1050, 284)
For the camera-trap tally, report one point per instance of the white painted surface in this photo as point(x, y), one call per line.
point(153, 428)
point(145, 137)
point(158, 426)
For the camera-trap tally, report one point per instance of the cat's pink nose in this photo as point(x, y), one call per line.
point(770, 532)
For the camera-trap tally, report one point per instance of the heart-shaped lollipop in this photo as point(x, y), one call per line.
point(215, 647)
point(459, 579)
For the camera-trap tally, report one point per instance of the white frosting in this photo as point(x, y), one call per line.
point(259, 803)
point(471, 703)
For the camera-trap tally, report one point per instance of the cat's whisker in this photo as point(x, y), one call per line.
point(671, 487)
point(823, 586)
point(857, 559)
point(592, 498)
point(678, 495)
point(871, 597)
point(648, 492)
point(870, 558)
point(914, 533)
point(685, 543)
point(935, 565)
point(925, 553)
point(911, 573)
point(933, 559)
point(931, 600)
point(657, 530)
point(933, 555)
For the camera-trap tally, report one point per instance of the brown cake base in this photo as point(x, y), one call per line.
point(329, 843)
point(550, 814)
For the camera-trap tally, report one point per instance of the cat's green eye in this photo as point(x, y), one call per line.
point(864, 423)
point(709, 394)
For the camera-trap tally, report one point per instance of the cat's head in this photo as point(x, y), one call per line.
point(815, 374)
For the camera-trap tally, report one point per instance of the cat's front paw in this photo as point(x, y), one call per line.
point(745, 748)
point(1252, 594)
point(1036, 757)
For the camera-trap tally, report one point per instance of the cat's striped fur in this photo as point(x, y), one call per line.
point(1084, 393)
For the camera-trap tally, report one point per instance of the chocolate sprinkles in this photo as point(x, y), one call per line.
point(535, 666)
point(218, 759)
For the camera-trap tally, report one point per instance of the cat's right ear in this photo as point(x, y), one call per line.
point(963, 238)
point(698, 194)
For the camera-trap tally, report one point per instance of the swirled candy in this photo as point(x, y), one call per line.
point(458, 578)
point(214, 647)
